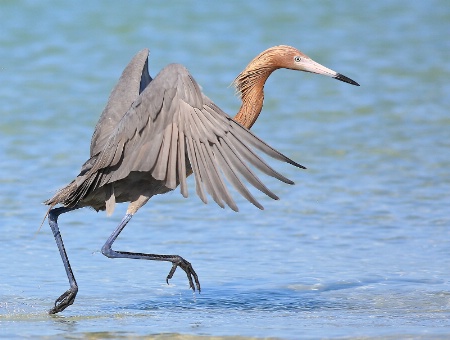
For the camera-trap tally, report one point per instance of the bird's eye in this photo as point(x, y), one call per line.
point(297, 59)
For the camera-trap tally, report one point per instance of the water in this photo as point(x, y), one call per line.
point(359, 247)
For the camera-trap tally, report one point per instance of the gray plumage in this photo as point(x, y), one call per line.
point(153, 133)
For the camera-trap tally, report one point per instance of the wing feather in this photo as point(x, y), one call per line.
point(160, 170)
point(171, 176)
point(230, 173)
point(204, 178)
point(249, 137)
point(172, 130)
point(216, 179)
point(193, 159)
point(255, 160)
point(181, 158)
point(243, 169)
point(132, 82)
point(208, 176)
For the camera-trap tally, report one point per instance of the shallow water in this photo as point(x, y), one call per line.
point(359, 247)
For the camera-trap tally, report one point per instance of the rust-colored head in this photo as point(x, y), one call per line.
point(259, 69)
point(250, 83)
point(282, 56)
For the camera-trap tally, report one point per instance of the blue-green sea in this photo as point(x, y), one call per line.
point(358, 248)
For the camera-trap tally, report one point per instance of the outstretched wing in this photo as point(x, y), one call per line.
point(171, 129)
point(132, 82)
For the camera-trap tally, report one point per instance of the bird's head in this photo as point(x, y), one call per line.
point(250, 82)
point(289, 57)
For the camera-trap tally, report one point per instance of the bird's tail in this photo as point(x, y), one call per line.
point(60, 197)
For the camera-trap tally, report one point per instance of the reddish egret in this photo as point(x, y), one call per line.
point(154, 133)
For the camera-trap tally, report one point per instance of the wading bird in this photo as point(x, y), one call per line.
point(153, 133)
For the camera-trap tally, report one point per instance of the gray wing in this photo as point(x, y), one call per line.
point(132, 82)
point(172, 128)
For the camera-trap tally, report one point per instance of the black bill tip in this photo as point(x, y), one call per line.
point(345, 79)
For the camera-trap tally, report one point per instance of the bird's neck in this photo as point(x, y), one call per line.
point(250, 86)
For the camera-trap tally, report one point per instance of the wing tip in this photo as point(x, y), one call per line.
point(290, 161)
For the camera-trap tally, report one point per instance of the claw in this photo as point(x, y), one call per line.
point(64, 301)
point(188, 269)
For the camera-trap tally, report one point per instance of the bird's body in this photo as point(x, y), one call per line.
point(154, 133)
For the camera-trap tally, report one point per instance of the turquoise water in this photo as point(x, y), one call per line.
point(359, 247)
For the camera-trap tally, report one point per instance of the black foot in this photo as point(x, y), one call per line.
point(64, 300)
point(190, 272)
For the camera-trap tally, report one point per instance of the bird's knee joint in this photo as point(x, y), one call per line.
point(107, 251)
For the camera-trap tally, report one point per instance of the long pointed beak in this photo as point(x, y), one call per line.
point(309, 65)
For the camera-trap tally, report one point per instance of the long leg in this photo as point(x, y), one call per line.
point(68, 297)
point(177, 261)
